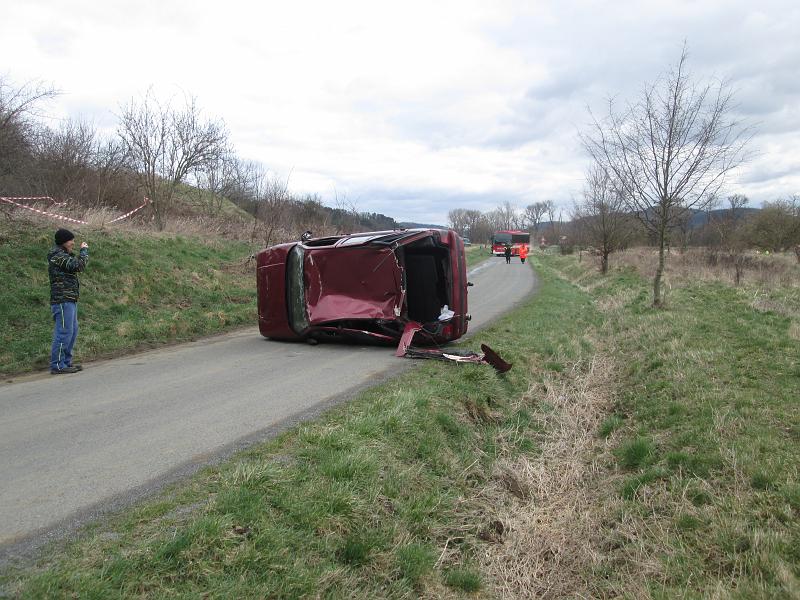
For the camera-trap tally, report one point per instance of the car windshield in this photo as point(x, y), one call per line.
point(295, 288)
point(502, 238)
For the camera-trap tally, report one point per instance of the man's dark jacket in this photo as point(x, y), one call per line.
point(63, 268)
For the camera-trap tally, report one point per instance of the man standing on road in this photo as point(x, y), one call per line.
point(507, 252)
point(63, 268)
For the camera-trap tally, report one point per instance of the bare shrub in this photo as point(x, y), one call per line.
point(207, 225)
point(165, 144)
point(700, 264)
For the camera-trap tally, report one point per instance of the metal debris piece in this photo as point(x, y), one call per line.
point(487, 356)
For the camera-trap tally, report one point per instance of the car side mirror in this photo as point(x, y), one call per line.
point(307, 235)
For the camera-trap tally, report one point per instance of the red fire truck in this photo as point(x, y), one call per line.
point(511, 237)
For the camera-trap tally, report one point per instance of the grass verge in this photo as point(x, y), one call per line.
point(700, 490)
point(630, 452)
point(377, 499)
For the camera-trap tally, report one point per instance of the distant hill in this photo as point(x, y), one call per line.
point(701, 218)
point(411, 225)
point(366, 221)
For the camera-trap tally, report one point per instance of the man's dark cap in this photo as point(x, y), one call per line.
point(63, 236)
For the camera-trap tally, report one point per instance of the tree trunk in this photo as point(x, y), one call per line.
point(159, 215)
point(604, 263)
point(657, 302)
point(738, 268)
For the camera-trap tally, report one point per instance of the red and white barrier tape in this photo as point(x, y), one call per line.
point(41, 212)
point(128, 214)
point(62, 217)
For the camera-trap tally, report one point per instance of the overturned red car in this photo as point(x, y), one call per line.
point(365, 287)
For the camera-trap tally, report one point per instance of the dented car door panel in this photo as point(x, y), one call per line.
point(352, 283)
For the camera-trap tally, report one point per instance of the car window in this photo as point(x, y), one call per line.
point(392, 237)
point(295, 290)
point(357, 240)
point(328, 241)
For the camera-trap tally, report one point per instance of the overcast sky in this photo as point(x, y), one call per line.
point(414, 108)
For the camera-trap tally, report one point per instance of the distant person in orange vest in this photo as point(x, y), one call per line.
point(523, 253)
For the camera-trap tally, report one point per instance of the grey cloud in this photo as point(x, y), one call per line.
point(429, 205)
point(761, 174)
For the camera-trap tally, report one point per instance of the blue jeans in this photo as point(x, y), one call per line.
point(65, 316)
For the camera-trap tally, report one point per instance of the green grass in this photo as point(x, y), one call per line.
point(138, 291)
point(476, 255)
point(385, 497)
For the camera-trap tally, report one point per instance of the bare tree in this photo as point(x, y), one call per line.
point(165, 144)
point(708, 234)
point(265, 197)
point(550, 211)
point(214, 182)
point(64, 159)
point(108, 164)
point(458, 220)
point(470, 223)
point(602, 216)
point(670, 151)
point(533, 216)
point(19, 108)
point(274, 204)
point(311, 215)
point(507, 216)
point(346, 211)
point(683, 228)
point(480, 227)
point(736, 203)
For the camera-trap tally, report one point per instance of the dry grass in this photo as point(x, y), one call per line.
point(614, 302)
point(701, 264)
point(544, 513)
point(233, 227)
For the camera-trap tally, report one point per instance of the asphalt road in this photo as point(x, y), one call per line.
point(73, 447)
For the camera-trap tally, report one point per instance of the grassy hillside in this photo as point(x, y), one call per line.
point(139, 290)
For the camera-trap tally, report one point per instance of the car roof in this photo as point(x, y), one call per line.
point(388, 236)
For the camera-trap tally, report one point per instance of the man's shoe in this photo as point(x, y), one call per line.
point(64, 371)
